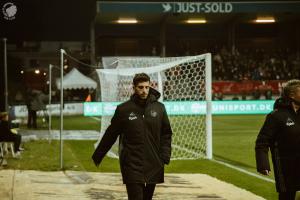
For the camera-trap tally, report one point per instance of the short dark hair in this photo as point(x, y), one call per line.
point(290, 87)
point(141, 77)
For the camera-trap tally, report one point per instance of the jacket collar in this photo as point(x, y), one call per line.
point(283, 103)
point(152, 97)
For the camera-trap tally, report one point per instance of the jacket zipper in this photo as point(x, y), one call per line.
point(144, 110)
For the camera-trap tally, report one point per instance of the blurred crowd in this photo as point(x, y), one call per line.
point(255, 64)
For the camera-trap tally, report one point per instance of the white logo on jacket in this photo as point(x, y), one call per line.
point(290, 122)
point(132, 116)
point(153, 113)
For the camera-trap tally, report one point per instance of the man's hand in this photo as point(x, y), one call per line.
point(265, 172)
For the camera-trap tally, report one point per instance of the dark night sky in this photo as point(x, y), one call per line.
point(48, 20)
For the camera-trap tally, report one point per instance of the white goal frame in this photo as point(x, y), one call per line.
point(166, 65)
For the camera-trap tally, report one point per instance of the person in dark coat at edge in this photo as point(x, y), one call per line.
point(145, 140)
point(281, 134)
point(8, 134)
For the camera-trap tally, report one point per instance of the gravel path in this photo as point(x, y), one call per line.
point(70, 185)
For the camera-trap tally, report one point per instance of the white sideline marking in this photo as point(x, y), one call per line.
point(237, 131)
point(244, 171)
point(97, 119)
point(228, 165)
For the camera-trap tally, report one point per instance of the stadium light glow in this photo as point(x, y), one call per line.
point(265, 20)
point(127, 21)
point(22, 72)
point(196, 21)
point(37, 71)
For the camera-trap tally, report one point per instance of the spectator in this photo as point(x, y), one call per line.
point(268, 94)
point(219, 96)
point(31, 117)
point(38, 103)
point(256, 93)
point(235, 98)
point(7, 134)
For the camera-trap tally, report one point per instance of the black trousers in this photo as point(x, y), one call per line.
point(287, 195)
point(139, 191)
point(31, 122)
point(15, 138)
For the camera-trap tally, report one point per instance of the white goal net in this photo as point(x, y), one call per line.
point(185, 87)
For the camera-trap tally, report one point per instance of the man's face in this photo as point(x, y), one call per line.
point(296, 95)
point(142, 89)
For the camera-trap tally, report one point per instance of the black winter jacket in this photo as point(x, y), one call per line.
point(5, 127)
point(145, 139)
point(281, 133)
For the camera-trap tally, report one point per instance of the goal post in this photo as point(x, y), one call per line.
point(208, 99)
point(185, 87)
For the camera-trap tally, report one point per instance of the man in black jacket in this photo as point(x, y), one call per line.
point(145, 140)
point(281, 133)
point(7, 135)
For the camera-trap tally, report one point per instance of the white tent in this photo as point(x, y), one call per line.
point(76, 80)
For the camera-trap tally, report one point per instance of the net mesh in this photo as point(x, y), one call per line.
point(179, 80)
